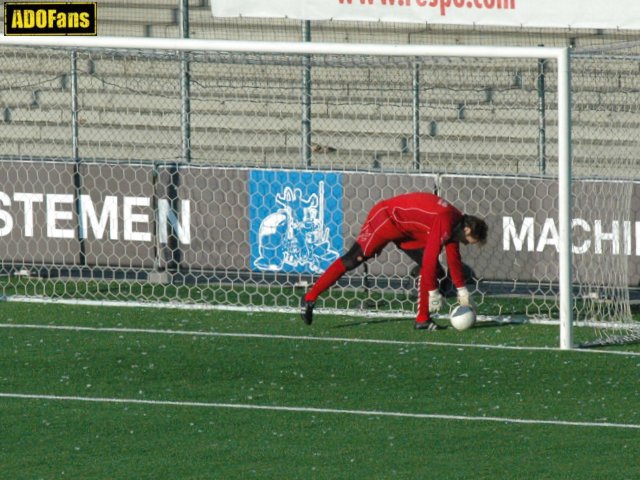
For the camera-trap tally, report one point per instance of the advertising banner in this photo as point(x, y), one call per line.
point(204, 217)
point(37, 221)
point(110, 221)
point(618, 14)
point(523, 237)
point(117, 219)
point(277, 221)
point(296, 220)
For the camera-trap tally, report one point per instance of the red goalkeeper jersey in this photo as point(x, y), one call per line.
point(416, 221)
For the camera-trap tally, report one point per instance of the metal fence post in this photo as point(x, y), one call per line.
point(416, 116)
point(75, 154)
point(306, 98)
point(185, 85)
point(542, 121)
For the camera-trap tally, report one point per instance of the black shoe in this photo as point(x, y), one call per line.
point(307, 311)
point(429, 326)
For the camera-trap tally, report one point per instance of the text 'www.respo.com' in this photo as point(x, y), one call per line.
point(441, 5)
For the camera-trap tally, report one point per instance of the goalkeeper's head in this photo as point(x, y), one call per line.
point(472, 230)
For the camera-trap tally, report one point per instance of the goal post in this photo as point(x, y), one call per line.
point(565, 195)
point(311, 204)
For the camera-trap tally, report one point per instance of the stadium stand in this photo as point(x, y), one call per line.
point(131, 110)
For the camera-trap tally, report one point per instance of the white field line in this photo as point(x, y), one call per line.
point(262, 309)
point(337, 411)
point(504, 319)
point(77, 328)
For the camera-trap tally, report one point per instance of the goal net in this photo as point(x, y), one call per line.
point(232, 174)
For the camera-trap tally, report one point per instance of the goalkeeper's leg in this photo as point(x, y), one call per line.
point(352, 259)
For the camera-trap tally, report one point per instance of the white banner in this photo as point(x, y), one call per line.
point(622, 14)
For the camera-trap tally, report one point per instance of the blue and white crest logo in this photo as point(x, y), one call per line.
point(296, 221)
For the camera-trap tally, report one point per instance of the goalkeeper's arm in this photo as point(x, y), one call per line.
point(457, 275)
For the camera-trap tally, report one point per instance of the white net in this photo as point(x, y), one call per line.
point(606, 202)
point(238, 183)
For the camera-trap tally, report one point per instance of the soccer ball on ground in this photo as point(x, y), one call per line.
point(462, 318)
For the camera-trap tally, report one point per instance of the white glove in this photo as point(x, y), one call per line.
point(435, 301)
point(464, 298)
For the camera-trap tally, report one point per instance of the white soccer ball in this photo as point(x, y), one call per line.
point(462, 318)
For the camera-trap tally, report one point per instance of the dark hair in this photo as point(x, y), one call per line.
point(478, 227)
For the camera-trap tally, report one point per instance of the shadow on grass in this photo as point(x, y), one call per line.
point(502, 323)
point(371, 321)
point(441, 321)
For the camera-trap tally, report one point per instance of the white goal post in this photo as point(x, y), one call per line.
point(560, 55)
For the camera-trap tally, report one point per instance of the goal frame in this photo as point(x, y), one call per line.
point(560, 55)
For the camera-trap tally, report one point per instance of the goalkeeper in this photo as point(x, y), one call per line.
point(415, 222)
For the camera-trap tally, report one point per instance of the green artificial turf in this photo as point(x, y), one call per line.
point(226, 395)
